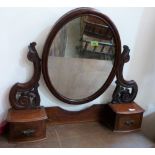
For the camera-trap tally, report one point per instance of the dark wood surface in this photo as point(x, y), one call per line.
point(128, 122)
point(119, 118)
point(59, 24)
point(125, 108)
point(3, 126)
point(28, 131)
point(84, 135)
point(57, 115)
point(26, 125)
point(26, 115)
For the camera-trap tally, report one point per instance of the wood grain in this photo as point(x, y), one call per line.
point(119, 118)
point(26, 115)
point(57, 115)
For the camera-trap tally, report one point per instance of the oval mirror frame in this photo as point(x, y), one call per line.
point(59, 24)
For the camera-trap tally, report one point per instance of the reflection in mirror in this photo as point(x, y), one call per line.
point(81, 57)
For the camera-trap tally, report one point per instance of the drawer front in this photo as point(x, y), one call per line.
point(28, 131)
point(128, 122)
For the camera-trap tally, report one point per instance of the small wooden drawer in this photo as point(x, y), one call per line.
point(123, 117)
point(28, 131)
point(29, 127)
point(128, 122)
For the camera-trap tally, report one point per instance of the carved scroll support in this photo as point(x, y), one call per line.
point(25, 95)
point(125, 91)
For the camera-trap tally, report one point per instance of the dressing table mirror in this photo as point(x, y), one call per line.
point(81, 57)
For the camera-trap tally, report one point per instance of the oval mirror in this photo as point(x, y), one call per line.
point(81, 55)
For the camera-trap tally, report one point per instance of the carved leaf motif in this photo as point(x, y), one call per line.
point(125, 91)
point(25, 95)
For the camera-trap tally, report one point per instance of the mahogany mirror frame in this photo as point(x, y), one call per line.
point(59, 24)
point(26, 95)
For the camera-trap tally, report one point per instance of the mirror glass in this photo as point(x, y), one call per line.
point(81, 57)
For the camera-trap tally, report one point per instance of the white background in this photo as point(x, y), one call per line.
point(20, 26)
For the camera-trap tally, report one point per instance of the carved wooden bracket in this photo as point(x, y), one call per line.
point(25, 95)
point(125, 91)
